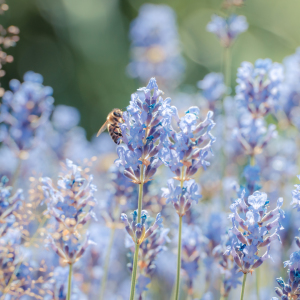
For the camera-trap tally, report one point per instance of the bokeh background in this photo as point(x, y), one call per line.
point(82, 48)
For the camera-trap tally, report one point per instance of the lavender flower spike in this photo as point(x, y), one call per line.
point(182, 198)
point(146, 124)
point(71, 204)
point(254, 233)
point(142, 230)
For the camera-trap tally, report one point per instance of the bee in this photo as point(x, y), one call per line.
point(112, 124)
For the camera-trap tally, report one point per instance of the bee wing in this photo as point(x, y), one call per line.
point(102, 128)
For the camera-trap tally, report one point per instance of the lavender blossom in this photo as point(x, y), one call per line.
point(255, 232)
point(291, 289)
point(186, 150)
point(71, 204)
point(182, 197)
point(147, 122)
point(142, 230)
point(155, 46)
point(228, 29)
point(25, 109)
point(253, 135)
point(258, 87)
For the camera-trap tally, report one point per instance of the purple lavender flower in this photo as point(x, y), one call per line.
point(290, 290)
point(71, 204)
point(213, 88)
point(155, 46)
point(147, 123)
point(253, 135)
point(228, 29)
point(25, 109)
point(254, 233)
point(182, 198)
point(187, 149)
point(258, 87)
point(142, 230)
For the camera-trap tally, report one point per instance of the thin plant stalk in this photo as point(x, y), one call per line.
point(137, 246)
point(243, 286)
point(257, 283)
point(177, 286)
point(106, 265)
point(70, 281)
point(134, 271)
point(178, 260)
point(252, 160)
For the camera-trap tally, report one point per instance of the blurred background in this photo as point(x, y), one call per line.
point(82, 48)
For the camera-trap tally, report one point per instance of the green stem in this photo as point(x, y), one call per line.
point(257, 283)
point(178, 260)
point(106, 264)
point(137, 246)
point(227, 67)
point(243, 286)
point(223, 297)
point(134, 269)
point(252, 160)
point(69, 282)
